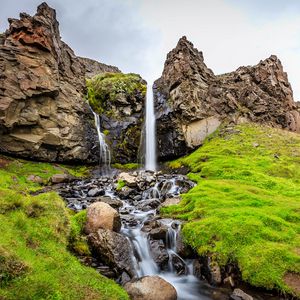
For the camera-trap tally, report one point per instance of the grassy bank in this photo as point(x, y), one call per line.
point(35, 236)
point(246, 205)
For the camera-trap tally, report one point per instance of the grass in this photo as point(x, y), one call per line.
point(36, 233)
point(246, 205)
point(105, 88)
point(127, 167)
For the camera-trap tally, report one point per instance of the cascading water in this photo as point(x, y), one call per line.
point(150, 156)
point(104, 152)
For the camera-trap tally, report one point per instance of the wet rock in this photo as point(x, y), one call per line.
point(179, 265)
point(182, 249)
point(148, 204)
point(60, 178)
point(114, 249)
point(102, 215)
point(159, 253)
point(150, 288)
point(206, 268)
point(170, 201)
point(240, 295)
point(156, 230)
point(96, 192)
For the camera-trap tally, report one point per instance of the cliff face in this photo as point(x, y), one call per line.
point(43, 114)
point(191, 102)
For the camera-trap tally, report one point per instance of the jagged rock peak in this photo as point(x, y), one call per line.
point(184, 61)
point(191, 102)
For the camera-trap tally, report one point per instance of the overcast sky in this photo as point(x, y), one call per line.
point(136, 35)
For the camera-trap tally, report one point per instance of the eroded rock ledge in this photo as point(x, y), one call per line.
point(43, 112)
point(191, 101)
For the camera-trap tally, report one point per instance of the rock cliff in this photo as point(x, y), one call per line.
point(191, 101)
point(43, 114)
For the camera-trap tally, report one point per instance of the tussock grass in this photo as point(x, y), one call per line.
point(246, 205)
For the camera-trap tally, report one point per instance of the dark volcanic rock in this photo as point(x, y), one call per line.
point(191, 102)
point(43, 114)
point(114, 249)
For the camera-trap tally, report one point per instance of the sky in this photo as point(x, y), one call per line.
point(136, 35)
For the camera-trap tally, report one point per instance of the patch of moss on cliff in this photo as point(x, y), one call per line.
point(36, 232)
point(108, 87)
point(245, 207)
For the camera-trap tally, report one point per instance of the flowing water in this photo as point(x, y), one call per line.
point(104, 152)
point(150, 157)
point(186, 284)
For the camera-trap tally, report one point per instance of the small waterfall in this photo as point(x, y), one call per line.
point(150, 157)
point(104, 152)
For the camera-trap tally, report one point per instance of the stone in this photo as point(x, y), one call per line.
point(60, 178)
point(96, 192)
point(159, 253)
point(114, 249)
point(179, 265)
point(156, 230)
point(170, 201)
point(191, 101)
point(129, 180)
point(241, 294)
point(102, 215)
point(150, 288)
point(35, 178)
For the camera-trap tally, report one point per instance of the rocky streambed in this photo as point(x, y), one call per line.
point(145, 253)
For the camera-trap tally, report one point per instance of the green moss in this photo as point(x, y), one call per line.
point(36, 232)
point(106, 132)
point(120, 184)
point(108, 87)
point(130, 166)
point(245, 207)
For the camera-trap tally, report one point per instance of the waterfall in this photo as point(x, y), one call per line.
point(104, 153)
point(150, 156)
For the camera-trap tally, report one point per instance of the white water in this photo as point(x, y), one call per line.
point(104, 152)
point(150, 157)
point(187, 285)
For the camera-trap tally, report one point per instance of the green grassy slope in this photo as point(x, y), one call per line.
point(246, 205)
point(35, 234)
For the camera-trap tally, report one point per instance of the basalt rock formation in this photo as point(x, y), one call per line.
point(43, 114)
point(43, 111)
point(191, 102)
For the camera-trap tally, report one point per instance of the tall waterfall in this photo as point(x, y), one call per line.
point(150, 157)
point(104, 152)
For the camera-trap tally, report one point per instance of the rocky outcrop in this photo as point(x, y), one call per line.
point(191, 101)
point(42, 85)
point(119, 100)
point(93, 67)
point(151, 288)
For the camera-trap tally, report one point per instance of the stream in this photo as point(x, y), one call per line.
point(154, 240)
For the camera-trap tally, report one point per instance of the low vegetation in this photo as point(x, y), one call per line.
point(106, 88)
point(36, 233)
point(245, 208)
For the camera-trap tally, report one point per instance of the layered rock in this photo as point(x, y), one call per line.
point(93, 67)
point(191, 102)
point(43, 114)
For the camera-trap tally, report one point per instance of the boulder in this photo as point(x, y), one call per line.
point(150, 288)
point(191, 101)
point(239, 294)
point(60, 178)
point(159, 253)
point(129, 180)
point(114, 249)
point(102, 215)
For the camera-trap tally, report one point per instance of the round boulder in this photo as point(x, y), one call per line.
point(102, 215)
point(150, 288)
